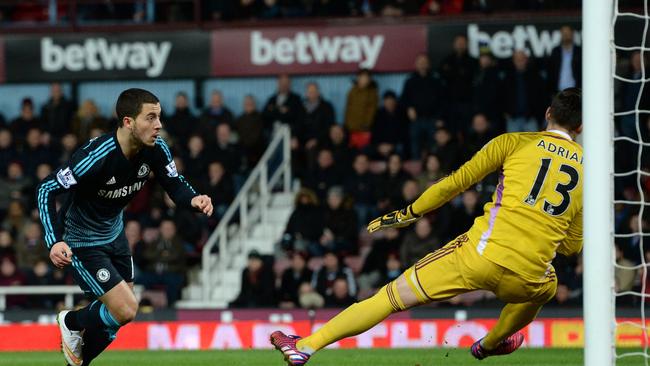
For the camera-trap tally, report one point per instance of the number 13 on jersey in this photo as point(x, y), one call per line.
point(562, 188)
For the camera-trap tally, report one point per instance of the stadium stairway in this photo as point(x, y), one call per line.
point(262, 237)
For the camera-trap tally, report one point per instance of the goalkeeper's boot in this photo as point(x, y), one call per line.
point(287, 345)
point(71, 341)
point(504, 347)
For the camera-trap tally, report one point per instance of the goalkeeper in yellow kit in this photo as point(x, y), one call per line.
point(535, 212)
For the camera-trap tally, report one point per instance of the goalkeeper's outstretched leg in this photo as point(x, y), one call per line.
point(453, 269)
point(443, 281)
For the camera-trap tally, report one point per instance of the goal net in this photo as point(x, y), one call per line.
point(629, 130)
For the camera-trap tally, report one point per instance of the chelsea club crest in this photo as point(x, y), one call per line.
point(144, 170)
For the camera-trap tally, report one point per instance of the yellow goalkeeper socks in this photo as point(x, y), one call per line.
point(513, 318)
point(355, 319)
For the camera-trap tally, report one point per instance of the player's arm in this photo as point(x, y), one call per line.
point(66, 178)
point(572, 244)
point(485, 161)
point(178, 188)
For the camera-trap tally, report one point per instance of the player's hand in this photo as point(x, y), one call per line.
point(397, 218)
point(203, 203)
point(60, 254)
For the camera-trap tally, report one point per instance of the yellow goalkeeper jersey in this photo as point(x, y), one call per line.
point(536, 210)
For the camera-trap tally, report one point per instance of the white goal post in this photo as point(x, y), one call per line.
point(597, 114)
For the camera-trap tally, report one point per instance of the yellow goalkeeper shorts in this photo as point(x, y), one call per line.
point(457, 268)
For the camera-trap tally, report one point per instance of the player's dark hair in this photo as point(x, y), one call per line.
point(566, 108)
point(130, 101)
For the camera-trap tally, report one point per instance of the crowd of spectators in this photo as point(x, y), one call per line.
point(228, 10)
point(387, 150)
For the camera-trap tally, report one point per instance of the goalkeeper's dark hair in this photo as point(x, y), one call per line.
point(130, 101)
point(566, 108)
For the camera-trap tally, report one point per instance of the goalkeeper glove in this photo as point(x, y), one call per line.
point(397, 218)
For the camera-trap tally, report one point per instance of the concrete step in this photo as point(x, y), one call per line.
point(283, 199)
point(267, 231)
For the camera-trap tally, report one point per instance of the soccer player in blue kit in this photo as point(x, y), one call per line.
point(88, 231)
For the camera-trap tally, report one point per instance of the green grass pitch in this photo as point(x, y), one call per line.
point(365, 357)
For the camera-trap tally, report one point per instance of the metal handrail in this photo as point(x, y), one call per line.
point(67, 291)
point(242, 202)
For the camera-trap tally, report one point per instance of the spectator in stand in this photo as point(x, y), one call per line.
point(291, 280)
point(182, 123)
point(418, 242)
point(341, 227)
point(269, 9)
point(409, 192)
point(191, 222)
point(336, 142)
point(133, 233)
point(457, 71)
point(42, 275)
point(13, 188)
point(486, 89)
point(8, 151)
point(431, 172)
point(257, 284)
point(215, 114)
point(447, 150)
point(250, 127)
point(422, 98)
point(629, 95)
point(388, 130)
point(360, 109)
point(57, 113)
point(442, 7)
point(34, 152)
point(228, 152)
point(309, 298)
point(24, 122)
point(480, 133)
point(196, 159)
point(7, 247)
point(284, 106)
point(463, 215)
point(219, 187)
point(325, 175)
point(88, 119)
point(396, 8)
point(306, 223)
point(390, 184)
point(340, 296)
point(631, 245)
point(317, 119)
point(69, 144)
point(30, 247)
point(565, 63)
point(374, 266)
point(625, 277)
point(323, 278)
point(165, 262)
point(524, 95)
point(360, 184)
point(10, 275)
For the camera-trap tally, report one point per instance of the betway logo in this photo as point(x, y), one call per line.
point(523, 37)
point(98, 54)
point(308, 47)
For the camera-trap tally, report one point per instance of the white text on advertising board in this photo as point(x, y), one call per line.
point(308, 47)
point(536, 43)
point(97, 54)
